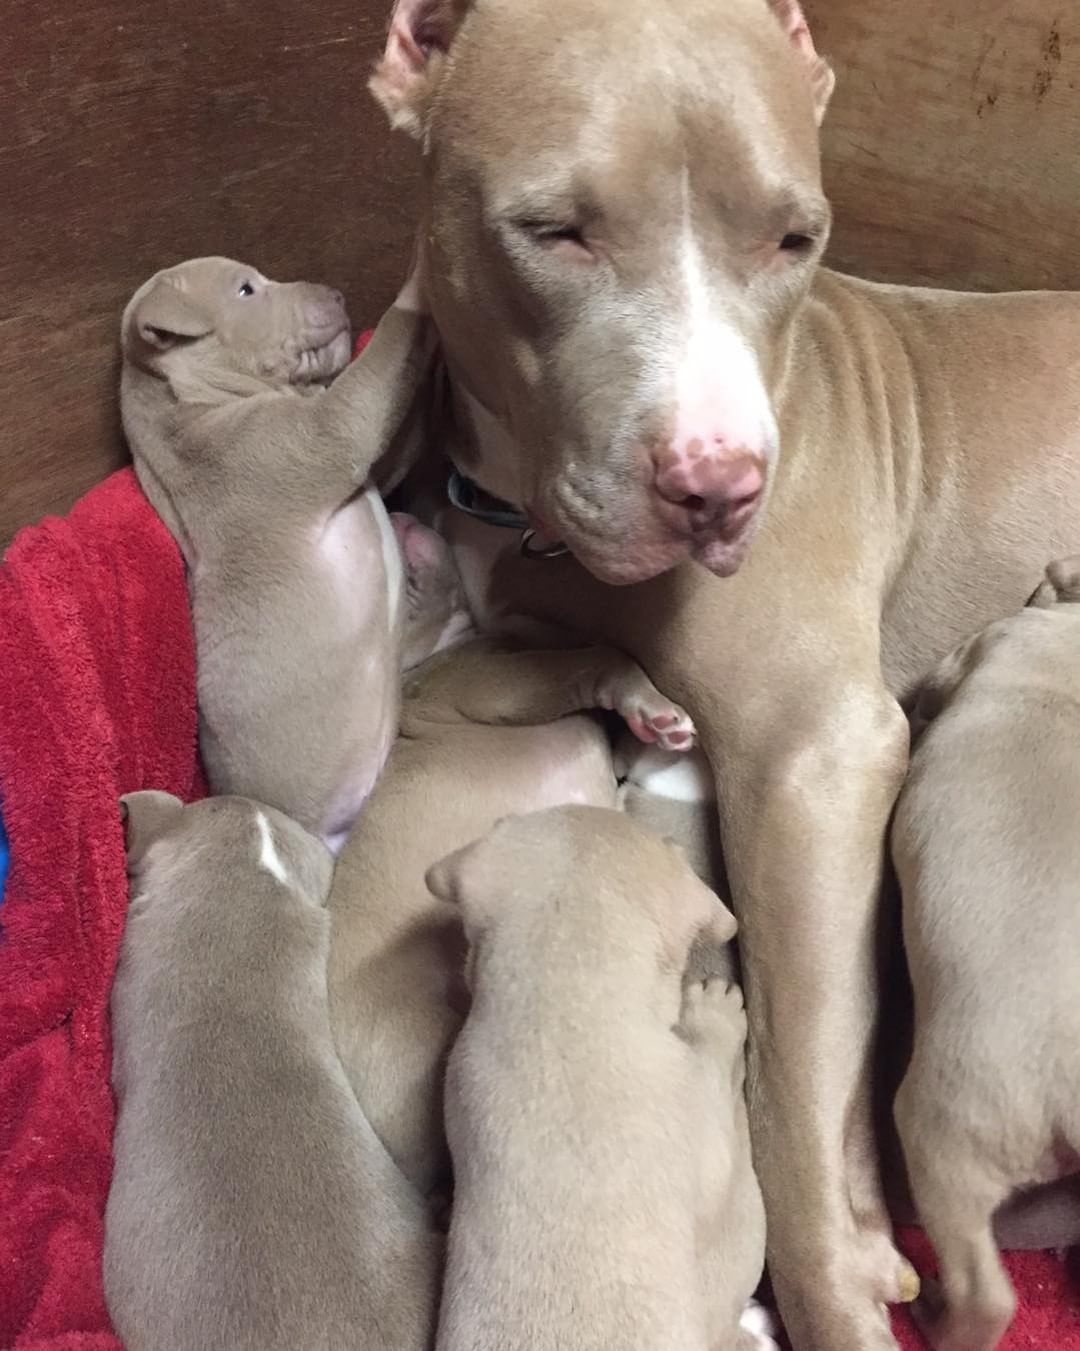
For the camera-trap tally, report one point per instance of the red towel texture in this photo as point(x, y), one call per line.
point(97, 698)
point(1047, 1285)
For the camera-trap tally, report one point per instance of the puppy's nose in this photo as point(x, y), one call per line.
point(709, 480)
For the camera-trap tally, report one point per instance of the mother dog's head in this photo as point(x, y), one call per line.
point(623, 210)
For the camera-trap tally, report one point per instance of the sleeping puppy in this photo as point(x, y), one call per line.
point(604, 1195)
point(986, 843)
point(252, 1206)
point(486, 729)
point(260, 472)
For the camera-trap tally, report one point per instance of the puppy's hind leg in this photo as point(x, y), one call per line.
point(956, 1199)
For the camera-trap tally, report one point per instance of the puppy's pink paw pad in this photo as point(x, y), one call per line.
point(641, 729)
point(673, 730)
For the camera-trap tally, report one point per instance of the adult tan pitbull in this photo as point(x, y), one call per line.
point(624, 220)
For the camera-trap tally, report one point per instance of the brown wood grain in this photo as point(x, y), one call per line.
point(952, 144)
point(134, 135)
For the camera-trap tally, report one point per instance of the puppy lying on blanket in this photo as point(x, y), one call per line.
point(252, 1206)
point(603, 1190)
point(986, 842)
point(484, 731)
point(257, 469)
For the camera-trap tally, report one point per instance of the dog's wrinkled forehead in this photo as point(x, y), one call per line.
point(636, 90)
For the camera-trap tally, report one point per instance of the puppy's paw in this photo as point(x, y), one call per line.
point(656, 721)
point(713, 1013)
point(760, 1328)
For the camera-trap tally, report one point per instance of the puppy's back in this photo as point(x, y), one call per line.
point(986, 839)
point(568, 1092)
point(252, 1206)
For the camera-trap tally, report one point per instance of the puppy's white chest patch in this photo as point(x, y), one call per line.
point(761, 1325)
point(681, 776)
point(269, 858)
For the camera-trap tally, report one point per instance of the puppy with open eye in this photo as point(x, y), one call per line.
point(252, 1206)
point(986, 842)
point(603, 1190)
point(261, 473)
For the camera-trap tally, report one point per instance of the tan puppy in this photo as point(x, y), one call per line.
point(252, 1206)
point(603, 1190)
point(484, 731)
point(260, 473)
point(987, 848)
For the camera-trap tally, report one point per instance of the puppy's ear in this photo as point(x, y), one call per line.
point(939, 686)
point(820, 73)
point(707, 918)
point(164, 316)
point(419, 38)
point(470, 877)
point(456, 878)
point(1063, 576)
point(692, 912)
point(146, 817)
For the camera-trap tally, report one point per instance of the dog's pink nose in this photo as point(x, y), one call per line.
point(710, 481)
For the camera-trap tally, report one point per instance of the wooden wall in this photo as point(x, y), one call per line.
point(133, 135)
point(953, 140)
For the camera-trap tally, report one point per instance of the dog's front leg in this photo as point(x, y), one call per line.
point(806, 786)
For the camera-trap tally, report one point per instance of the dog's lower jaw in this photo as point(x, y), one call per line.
point(639, 554)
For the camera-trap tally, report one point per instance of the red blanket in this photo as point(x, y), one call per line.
point(97, 698)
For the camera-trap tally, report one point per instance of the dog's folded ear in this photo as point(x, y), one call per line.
point(146, 817)
point(793, 22)
point(420, 35)
point(163, 315)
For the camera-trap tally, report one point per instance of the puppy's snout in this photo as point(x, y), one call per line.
point(325, 308)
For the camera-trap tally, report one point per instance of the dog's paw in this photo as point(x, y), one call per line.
point(658, 722)
point(760, 1327)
